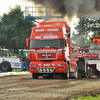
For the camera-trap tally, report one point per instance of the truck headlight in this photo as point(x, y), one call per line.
point(60, 64)
point(33, 65)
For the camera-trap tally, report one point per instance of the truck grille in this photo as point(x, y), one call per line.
point(46, 55)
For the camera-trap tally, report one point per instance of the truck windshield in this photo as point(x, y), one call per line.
point(94, 46)
point(24, 53)
point(81, 51)
point(3, 53)
point(47, 43)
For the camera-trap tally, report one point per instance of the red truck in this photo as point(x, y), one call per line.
point(49, 49)
point(52, 53)
point(86, 61)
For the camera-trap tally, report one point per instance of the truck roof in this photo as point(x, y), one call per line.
point(60, 24)
point(50, 30)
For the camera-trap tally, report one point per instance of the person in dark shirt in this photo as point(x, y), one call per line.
point(27, 61)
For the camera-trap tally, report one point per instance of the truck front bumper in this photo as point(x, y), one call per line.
point(48, 67)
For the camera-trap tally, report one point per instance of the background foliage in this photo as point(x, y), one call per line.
point(14, 29)
point(87, 27)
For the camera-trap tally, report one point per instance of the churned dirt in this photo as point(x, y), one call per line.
point(23, 87)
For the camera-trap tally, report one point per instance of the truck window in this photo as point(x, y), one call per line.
point(51, 43)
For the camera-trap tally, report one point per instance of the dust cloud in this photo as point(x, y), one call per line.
point(71, 7)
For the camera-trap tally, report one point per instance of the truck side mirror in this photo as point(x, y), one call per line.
point(27, 42)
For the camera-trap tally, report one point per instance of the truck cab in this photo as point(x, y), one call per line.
point(9, 60)
point(48, 49)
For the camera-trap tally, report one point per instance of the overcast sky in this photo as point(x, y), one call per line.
point(5, 4)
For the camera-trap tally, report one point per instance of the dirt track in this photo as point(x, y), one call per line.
point(23, 87)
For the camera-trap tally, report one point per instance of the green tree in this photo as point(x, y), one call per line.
point(85, 26)
point(15, 29)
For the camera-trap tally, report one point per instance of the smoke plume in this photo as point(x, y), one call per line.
point(71, 7)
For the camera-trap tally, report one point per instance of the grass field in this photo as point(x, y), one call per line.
point(15, 70)
point(88, 98)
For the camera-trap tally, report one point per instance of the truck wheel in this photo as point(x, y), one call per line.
point(76, 72)
point(35, 75)
point(81, 74)
point(5, 66)
point(66, 75)
point(68, 71)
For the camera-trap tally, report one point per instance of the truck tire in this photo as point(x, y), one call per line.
point(81, 74)
point(35, 75)
point(81, 68)
point(68, 71)
point(66, 75)
point(76, 72)
point(5, 66)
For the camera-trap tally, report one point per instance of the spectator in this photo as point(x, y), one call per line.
point(27, 61)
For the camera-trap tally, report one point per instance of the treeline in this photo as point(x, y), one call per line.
point(14, 29)
point(86, 28)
